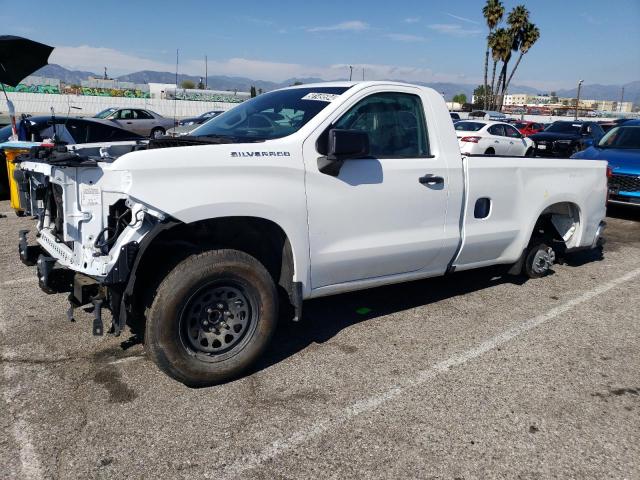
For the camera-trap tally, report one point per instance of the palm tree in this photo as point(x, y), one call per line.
point(494, 45)
point(501, 52)
point(530, 36)
point(493, 12)
point(517, 20)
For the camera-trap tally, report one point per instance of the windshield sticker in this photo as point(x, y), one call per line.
point(321, 97)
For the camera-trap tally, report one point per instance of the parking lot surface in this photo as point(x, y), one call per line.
point(475, 375)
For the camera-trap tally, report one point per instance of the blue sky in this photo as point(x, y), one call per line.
point(415, 40)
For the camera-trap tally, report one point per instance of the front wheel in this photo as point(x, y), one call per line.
point(212, 317)
point(530, 152)
point(539, 260)
point(157, 132)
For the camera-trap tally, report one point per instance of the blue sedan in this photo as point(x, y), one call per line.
point(621, 148)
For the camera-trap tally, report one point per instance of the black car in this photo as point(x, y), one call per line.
point(564, 138)
point(71, 130)
point(201, 119)
point(67, 130)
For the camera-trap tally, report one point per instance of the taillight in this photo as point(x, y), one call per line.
point(609, 172)
point(470, 139)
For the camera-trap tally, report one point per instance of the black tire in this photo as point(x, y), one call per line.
point(157, 132)
point(490, 151)
point(179, 336)
point(538, 260)
point(531, 152)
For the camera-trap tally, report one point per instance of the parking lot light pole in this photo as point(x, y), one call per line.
point(578, 99)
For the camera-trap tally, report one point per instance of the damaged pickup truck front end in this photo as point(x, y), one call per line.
point(89, 230)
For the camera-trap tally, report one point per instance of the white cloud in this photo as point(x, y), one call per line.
point(454, 30)
point(462, 19)
point(403, 37)
point(412, 20)
point(95, 59)
point(118, 63)
point(351, 25)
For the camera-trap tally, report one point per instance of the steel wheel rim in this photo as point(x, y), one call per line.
point(217, 320)
point(543, 260)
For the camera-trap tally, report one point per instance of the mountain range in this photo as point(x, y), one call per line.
point(244, 84)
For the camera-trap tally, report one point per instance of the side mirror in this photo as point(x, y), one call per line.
point(343, 145)
point(346, 144)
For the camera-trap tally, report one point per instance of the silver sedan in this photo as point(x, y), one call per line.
point(138, 120)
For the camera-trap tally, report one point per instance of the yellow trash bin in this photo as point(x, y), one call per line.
point(11, 152)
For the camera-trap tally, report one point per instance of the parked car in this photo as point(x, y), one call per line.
point(480, 137)
point(454, 116)
point(137, 120)
point(609, 124)
point(187, 125)
point(71, 130)
point(566, 137)
point(488, 115)
point(620, 147)
point(200, 119)
point(67, 130)
point(204, 249)
point(528, 128)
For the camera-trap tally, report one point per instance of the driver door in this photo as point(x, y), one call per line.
point(375, 218)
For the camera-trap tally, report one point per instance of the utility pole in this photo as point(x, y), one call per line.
point(578, 99)
point(363, 74)
point(621, 99)
point(350, 72)
point(206, 73)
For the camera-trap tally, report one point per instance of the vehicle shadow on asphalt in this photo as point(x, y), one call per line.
point(324, 318)
point(624, 212)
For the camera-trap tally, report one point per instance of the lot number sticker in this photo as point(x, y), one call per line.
point(90, 195)
point(321, 97)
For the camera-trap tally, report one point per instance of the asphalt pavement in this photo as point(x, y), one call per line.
point(475, 375)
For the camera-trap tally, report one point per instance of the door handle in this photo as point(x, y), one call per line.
point(430, 179)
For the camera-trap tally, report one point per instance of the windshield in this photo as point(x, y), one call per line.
point(468, 126)
point(270, 115)
point(104, 113)
point(564, 127)
point(520, 125)
point(622, 137)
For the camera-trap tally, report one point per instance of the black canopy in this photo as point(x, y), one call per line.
point(20, 57)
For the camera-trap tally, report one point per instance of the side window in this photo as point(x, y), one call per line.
point(142, 115)
point(395, 123)
point(126, 114)
point(512, 132)
point(104, 133)
point(496, 130)
point(78, 130)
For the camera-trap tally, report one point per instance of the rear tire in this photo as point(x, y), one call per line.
point(158, 132)
point(213, 316)
point(490, 151)
point(538, 260)
point(530, 152)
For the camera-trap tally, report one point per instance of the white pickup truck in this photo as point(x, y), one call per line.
point(303, 192)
